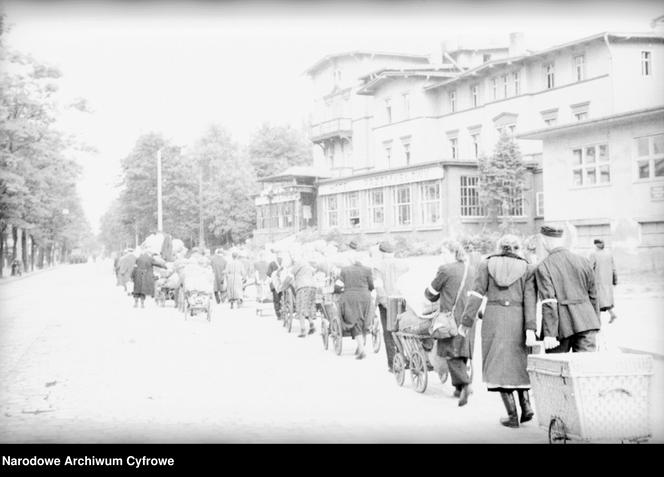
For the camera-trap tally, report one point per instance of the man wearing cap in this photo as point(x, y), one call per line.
point(605, 277)
point(566, 285)
point(387, 271)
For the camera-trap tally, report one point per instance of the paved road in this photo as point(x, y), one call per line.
point(79, 364)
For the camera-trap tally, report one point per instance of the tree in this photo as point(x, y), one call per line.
point(502, 182)
point(274, 148)
point(228, 187)
point(37, 174)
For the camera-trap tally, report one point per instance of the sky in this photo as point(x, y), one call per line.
point(176, 67)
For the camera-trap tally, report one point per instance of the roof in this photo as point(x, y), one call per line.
point(319, 64)
point(534, 54)
point(369, 87)
point(296, 171)
point(614, 118)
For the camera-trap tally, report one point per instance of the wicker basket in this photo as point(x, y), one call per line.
point(593, 396)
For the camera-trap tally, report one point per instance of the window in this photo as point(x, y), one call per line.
point(470, 199)
point(486, 57)
point(260, 217)
point(505, 86)
point(580, 111)
point(549, 80)
point(550, 117)
point(406, 152)
point(646, 63)
point(430, 193)
point(580, 67)
point(353, 209)
point(494, 87)
point(476, 145)
point(452, 97)
point(376, 207)
point(514, 206)
point(454, 147)
point(539, 204)
point(515, 80)
point(590, 166)
point(388, 110)
point(402, 205)
point(406, 105)
point(650, 156)
point(388, 155)
point(332, 211)
point(287, 214)
point(475, 95)
point(652, 234)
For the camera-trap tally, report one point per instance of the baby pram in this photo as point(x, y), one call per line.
point(198, 290)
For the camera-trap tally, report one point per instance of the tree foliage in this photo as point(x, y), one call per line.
point(502, 182)
point(273, 148)
point(37, 171)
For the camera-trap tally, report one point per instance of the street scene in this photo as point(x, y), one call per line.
point(234, 224)
point(75, 373)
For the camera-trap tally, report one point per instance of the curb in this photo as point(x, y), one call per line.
point(658, 356)
point(10, 279)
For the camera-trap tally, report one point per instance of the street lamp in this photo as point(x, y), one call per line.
point(160, 211)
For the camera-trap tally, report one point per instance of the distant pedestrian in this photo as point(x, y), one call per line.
point(126, 266)
point(566, 285)
point(219, 267)
point(387, 271)
point(450, 287)
point(606, 277)
point(507, 282)
point(260, 277)
point(355, 300)
point(235, 278)
point(273, 271)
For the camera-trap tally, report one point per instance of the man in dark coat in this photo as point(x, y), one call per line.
point(274, 267)
point(605, 277)
point(218, 267)
point(566, 284)
point(453, 280)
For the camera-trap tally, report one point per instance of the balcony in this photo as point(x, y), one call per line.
point(338, 127)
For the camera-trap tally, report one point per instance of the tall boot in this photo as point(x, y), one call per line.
point(512, 419)
point(524, 401)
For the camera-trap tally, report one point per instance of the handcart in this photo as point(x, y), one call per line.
point(413, 351)
point(197, 292)
point(334, 327)
point(592, 397)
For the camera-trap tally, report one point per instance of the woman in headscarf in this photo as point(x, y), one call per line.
point(509, 323)
point(355, 300)
point(235, 277)
point(450, 286)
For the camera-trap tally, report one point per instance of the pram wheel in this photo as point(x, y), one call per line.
point(399, 368)
point(419, 372)
point(557, 431)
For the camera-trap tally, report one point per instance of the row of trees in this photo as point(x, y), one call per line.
point(207, 187)
point(40, 210)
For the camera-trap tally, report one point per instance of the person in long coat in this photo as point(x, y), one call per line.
point(507, 282)
point(567, 290)
point(235, 277)
point(355, 300)
point(126, 267)
point(219, 267)
point(454, 278)
point(606, 277)
point(143, 276)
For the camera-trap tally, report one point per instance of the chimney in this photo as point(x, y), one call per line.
point(438, 53)
point(517, 44)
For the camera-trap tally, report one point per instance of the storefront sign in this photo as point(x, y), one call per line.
point(384, 180)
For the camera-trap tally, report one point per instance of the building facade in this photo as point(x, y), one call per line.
point(587, 116)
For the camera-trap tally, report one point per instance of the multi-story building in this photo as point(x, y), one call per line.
point(588, 117)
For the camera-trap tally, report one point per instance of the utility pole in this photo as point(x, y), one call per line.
point(160, 211)
point(201, 235)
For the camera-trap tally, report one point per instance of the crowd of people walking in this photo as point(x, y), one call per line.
point(503, 289)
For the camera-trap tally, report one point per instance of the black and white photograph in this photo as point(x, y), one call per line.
point(333, 222)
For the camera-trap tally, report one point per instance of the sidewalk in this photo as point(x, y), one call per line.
point(5, 279)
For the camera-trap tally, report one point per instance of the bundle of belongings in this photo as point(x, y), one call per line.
point(198, 277)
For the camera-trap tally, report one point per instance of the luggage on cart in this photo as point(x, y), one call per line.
point(592, 396)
